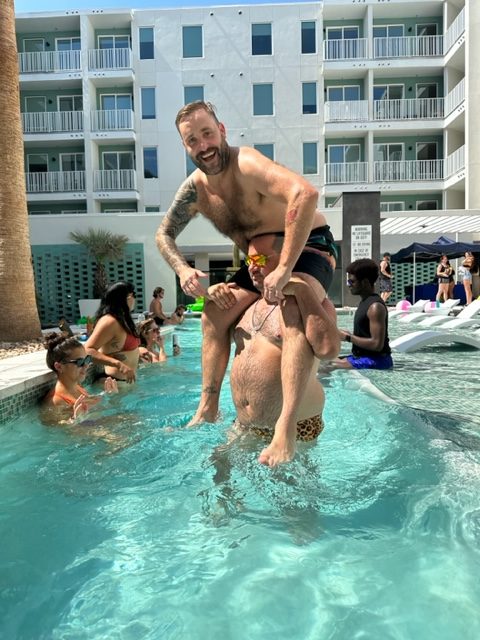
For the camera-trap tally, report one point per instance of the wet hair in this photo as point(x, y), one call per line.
point(114, 303)
point(191, 107)
point(364, 269)
point(59, 347)
point(143, 327)
point(157, 291)
point(180, 307)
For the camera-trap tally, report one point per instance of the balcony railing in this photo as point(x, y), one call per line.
point(454, 31)
point(408, 47)
point(408, 170)
point(116, 180)
point(346, 111)
point(49, 61)
point(52, 121)
point(112, 120)
point(455, 162)
point(345, 49)
point(346, 172)
point(112, 59)
point(455, 97)
point(411, 109)
point(55, 181)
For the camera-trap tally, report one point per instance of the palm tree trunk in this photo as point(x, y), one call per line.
point(19, 315)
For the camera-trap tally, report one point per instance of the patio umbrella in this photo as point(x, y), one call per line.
point(422, 252)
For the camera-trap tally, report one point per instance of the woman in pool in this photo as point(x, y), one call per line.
point(178, 316)
point(152, 346)
point(68, 400)
point(114, 342)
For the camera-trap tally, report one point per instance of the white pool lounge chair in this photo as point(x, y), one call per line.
point(443, 310)
point(418, 306)
point(418, 339)
point(468, 317)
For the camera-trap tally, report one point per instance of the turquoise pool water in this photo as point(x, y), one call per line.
point(169, 533)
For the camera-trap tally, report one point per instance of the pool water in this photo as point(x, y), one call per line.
point(156, 531)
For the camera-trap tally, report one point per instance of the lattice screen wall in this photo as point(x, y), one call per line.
point(403, 277)
point(64, 274)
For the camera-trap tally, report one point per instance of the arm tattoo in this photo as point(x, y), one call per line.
point(177, 218)
point(291, 217)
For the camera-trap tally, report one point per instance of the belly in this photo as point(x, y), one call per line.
point(130, 358)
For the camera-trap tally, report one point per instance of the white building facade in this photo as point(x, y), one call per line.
point(357, 95)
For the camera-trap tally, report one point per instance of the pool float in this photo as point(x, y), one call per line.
point(197, 305)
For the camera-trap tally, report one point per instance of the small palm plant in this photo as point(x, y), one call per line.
point(102, 245)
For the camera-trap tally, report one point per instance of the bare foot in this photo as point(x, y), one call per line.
point(278, 452)
point(202, 416)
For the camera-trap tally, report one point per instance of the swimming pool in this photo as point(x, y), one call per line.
point(169, 533)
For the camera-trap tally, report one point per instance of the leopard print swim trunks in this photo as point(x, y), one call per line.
point(307, 429)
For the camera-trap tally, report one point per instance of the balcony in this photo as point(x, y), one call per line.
point(408, 170)
point(115, 180)
point(112, 120)
point(352, 49)
point(346, 172)
point(383, 48)
point(49, 61)
point(109, 59)
point(52, 122)
point(55, 181)
point(346, 111)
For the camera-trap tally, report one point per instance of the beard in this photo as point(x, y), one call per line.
point(223, 158)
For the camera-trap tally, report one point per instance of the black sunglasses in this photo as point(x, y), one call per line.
point(80, 362)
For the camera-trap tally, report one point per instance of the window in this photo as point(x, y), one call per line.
point(32, 45)
point(427, 90)
point(153, 209)
point(426, 30)
point(115, 101)
point(309, 97)
point(193, 93)
point(150, 164)
point(262, 39)
point(343, 43)
point(68, 44)
point(145, 37)
point(427, 205)
point(310, 157)
point(392, 206)
point(342, 94)
point(426, 150)
point(34, 104)
point(388, 41)
point(115, 160)
point(192, 42)
point(72, 162)
point(114, 42)
point(388, 31)
point(343, 153)
point(388, 152)
point(309, 44)
point(37, 162)
point(266, 149)
point(388, 92)
point(70, 103)
point(148, 103)
point(262, 99)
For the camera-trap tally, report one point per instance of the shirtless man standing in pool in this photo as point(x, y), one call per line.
point(244, 194)
point(257, 377)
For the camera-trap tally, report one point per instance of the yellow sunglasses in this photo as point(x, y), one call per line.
point(258, 259)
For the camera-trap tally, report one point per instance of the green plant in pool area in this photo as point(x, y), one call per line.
point(103, 246)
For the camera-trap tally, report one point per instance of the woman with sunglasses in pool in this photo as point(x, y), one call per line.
point(152, 345)
point(114, 342)
point(68, 400)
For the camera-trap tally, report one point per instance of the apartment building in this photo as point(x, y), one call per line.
point(357, 95)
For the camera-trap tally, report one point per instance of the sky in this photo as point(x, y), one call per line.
point(23, 6)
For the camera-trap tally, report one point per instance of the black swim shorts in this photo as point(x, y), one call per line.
point(314, 264)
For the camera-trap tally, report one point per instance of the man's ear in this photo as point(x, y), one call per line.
point(223, 131)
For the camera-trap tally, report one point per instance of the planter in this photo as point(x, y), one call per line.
point(88, 307)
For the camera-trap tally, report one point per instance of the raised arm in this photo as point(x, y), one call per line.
point(182, 210)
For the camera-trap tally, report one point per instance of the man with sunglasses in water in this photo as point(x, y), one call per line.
point(283, 404)
point(245, 195)
point(369, 340)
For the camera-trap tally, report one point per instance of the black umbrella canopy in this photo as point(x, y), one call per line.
point(420, 252)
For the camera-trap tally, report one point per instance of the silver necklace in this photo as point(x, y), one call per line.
point(256, 328)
